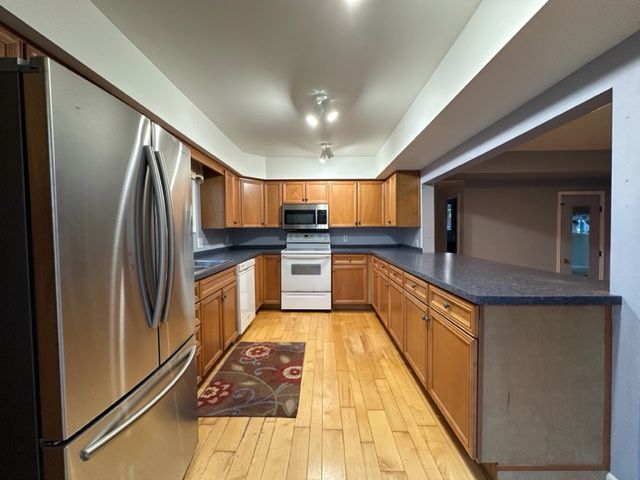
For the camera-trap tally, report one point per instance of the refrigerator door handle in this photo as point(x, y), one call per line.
point(153, 309)
point(170, 235)
point(97, 444)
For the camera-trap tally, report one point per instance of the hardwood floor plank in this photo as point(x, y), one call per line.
point(278, 456)
point(391, 409)
point(262, 449)
point(344, 389)
point(450, 465)
point(314, 462)
point(371, 464)
point(412, 465)
point(354, 460)
point(299, 454)
point(330, 396)
point(199, 463)
point(232, 434)
point(244, 453)
point(333, 467)
point(218, 465)
point(388, 455)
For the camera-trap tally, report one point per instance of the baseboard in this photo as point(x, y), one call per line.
point(611, 476)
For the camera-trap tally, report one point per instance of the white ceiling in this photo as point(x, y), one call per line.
point(251, 65)
point(588, 132)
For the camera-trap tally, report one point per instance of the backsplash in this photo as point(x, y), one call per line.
point(257, 237)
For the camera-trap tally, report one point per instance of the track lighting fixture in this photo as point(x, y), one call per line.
point(322, 110)
point(325, 152)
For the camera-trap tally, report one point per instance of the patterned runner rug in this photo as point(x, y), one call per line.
point(256, 380)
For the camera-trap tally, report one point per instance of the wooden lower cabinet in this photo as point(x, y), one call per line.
point(229, 314)
point(452, 377)
point(396, 313)
point(259, 272)
point(383, 291)
point(211, 323)
point(271, 279)
point(415, 344)
point(350, 280)
point(198, 328)
point(375, 290)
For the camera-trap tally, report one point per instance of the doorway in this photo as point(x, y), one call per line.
point(451, 216)
point(580, 241)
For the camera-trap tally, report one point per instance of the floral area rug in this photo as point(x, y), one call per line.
point(256, 380)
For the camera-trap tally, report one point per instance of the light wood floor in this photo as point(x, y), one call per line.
point(361, 413)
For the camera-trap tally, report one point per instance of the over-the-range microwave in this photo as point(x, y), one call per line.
point(305, 216)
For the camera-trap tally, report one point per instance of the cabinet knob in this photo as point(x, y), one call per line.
point(224, 297)
point(425, 317)
point(413, 285)
point(446, 305)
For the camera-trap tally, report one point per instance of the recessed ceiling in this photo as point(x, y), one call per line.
point(252, 66)
point(588, 132)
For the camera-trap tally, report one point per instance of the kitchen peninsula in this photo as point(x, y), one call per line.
point(516, 359)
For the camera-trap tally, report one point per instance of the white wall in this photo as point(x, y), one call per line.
point(617, 71)
point(310, 167)
point(80, 29)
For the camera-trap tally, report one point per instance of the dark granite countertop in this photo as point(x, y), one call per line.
point(479, 281)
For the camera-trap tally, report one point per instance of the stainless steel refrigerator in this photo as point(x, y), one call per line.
point(97, 284)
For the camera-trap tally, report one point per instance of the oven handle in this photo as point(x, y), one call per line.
point(290, 256)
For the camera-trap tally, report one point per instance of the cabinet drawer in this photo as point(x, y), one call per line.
point(383, 266)
point(197, 291)
point(396, 275)
point(460, 312)
point(416, 286)
point(347, 259)
point(215, 282)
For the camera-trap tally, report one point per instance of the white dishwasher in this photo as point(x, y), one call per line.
point(246, 278)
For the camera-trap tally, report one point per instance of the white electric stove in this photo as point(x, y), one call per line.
point(306, 272)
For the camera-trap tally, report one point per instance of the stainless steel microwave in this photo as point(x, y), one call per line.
point(305, 216)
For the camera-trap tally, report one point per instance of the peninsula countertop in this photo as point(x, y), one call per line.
point(479, 281)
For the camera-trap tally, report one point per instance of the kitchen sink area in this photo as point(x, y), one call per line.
point(199, 265)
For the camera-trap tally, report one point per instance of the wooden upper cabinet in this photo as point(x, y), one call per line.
point(252, 193)
point(232, 200)
point(293, 192)
point(402, 200)
point(343, 204)
point(272, 204)
point(212, 211)
point(317, 192)
point(370, 204)
point(10, 44)
point(452, 378)
point(416, 314)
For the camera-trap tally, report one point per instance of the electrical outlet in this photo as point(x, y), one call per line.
point(345, 239)
point(200, 242)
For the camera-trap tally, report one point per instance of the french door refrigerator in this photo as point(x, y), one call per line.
point(98, 310)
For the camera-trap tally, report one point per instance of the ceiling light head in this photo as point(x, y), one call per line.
point(326, 153)
point(332, 115)
point(312, 120)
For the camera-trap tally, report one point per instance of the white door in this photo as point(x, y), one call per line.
point(580, 234)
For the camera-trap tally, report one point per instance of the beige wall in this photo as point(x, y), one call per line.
point(516, 223)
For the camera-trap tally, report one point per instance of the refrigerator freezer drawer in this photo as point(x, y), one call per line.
point(159, 445)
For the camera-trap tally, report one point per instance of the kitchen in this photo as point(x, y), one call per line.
point(404, 360)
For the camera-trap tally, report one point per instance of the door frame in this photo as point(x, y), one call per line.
point(601, 195)
point(458, 198)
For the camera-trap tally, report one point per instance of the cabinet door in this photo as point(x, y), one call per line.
point(415, 342)
point(343, 204)
point(231, 200)
point(452, 377)
point(390, 201)
point(199, 362)
point(271, 279)
point(349, 284)
point(293, 192)
point(211, 325)
point(375, 290)
point(229, 314)
point(10, 45)
point(30, 51)
point(383, 289)
point(370, 204)
point(396, 313)
point(259, 282)
point(272, 204)
point(317, 192)
point(252, 192)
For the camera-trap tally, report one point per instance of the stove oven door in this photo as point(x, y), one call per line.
point(302, 272)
